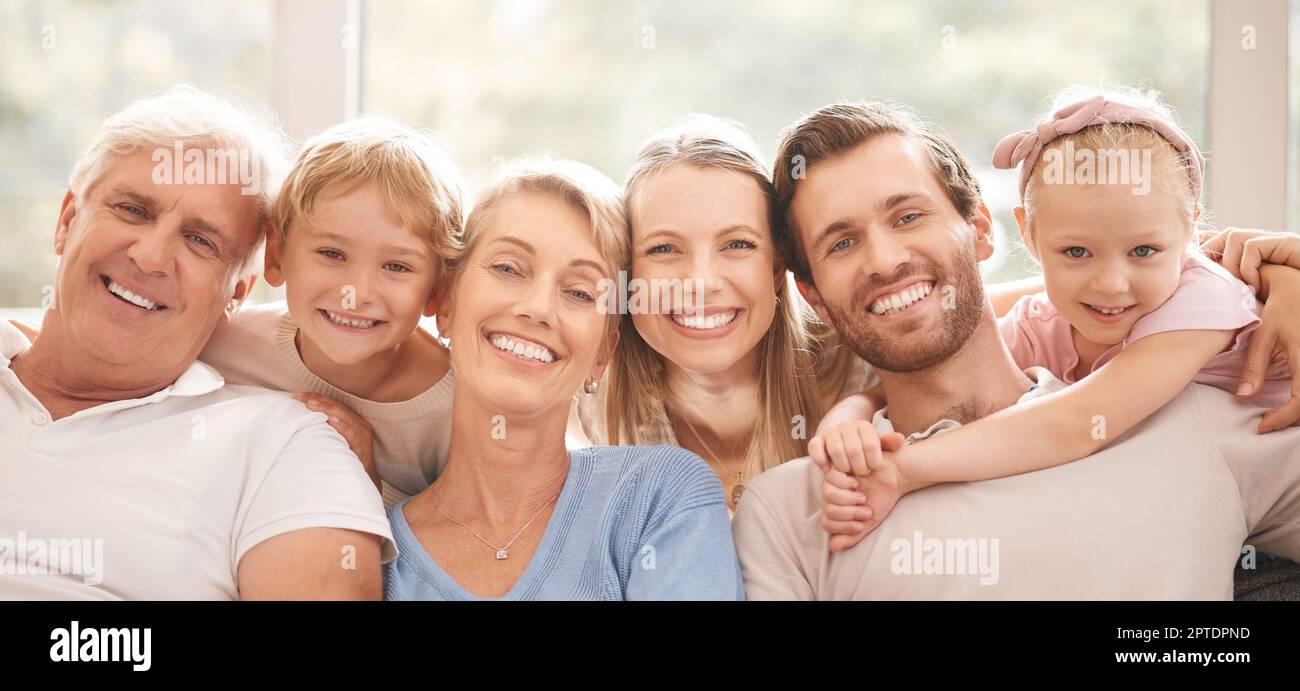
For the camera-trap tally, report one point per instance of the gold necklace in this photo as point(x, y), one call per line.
point(504, 551)
point(736, 491)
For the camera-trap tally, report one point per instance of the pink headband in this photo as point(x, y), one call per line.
point(1023, 147)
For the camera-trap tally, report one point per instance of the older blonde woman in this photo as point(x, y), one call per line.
point(515, 515)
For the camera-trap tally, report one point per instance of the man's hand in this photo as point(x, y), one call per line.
point(854, 506)
point(1277, 338)
point(1243, 252)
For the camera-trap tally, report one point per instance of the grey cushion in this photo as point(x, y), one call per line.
point(1271, 579)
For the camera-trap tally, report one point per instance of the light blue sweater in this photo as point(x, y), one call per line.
point(632, 523)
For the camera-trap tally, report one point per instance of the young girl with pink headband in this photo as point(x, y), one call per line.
point(1110, 201)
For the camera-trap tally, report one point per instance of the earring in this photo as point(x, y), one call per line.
point(776, 299)
point(589, 387)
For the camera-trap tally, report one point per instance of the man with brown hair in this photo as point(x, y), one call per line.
point(875, 204)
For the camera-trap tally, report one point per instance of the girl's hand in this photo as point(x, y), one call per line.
point(854, 447)
point(1277, 338)
point(849, 447)
point(1243, 251)
point(355, 430)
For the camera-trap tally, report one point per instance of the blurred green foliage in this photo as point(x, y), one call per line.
point(584, 79)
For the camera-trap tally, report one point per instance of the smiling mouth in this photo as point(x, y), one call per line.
point(350, 323)
point(120, 292)
point(894, 303)
point(701, 323)
point(522, 349)
point(1108, 311)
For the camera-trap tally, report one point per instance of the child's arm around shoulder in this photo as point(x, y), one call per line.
point(1069, 424)
point(1053, 429)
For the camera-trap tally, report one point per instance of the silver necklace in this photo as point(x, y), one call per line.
point(502, 552)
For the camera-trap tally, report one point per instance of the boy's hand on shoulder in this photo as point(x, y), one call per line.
point(354, 429)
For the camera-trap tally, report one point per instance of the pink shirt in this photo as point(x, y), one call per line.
point(1208, 297)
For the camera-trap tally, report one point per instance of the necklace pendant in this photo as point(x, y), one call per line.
point(502, 554)
point(736, 491)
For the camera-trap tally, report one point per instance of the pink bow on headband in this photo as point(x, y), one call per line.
point(1024, 147)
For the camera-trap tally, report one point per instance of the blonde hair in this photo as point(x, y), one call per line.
point(577, 184)
point(422, 185)
point(192, 117)
point(1170, 169)
point(799, 357)
point(839, 127)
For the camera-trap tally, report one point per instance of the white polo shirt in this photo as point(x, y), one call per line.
point(160, 497)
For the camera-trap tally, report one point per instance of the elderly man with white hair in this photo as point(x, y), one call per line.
point(129, 469)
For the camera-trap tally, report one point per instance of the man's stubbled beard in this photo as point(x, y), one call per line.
point(918, 349)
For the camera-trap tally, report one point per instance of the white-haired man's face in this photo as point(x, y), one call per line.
point(148, 270)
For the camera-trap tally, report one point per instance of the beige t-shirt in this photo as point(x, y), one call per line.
point(1162, 513)
point(412, 437)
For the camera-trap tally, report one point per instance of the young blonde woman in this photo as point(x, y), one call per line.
point(743, 375)
point(743, 381)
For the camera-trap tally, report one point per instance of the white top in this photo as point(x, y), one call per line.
point(1044, 383)
point(412, 438)
point(160, 497)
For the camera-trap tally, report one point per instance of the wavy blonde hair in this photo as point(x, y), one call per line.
point(577, 184)
point(802, 365)
point(422, 186)
point(1170, 169)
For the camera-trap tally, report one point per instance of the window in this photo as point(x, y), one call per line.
point(585, 79)
point(590, 80)
point(68, 65)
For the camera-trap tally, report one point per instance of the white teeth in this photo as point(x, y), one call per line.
point(118, 290)
point(354, 323)
point(1103, 310)
point(531, 351)
point(901, 300)
point(703, 323)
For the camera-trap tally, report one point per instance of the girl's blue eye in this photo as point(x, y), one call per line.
point(741, 245)
point(1076, 252)
point(908, 218)
point(330, 254)
point(1144, 251)
point(659, 249)
point(399, 268)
